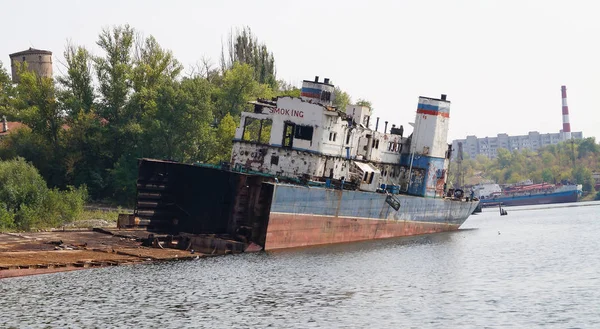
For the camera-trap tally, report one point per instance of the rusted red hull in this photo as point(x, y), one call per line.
point(298, 230)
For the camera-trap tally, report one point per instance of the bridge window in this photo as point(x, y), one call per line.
point(325, 96)
point(304, 132)
point(332, 136)
point(257, 130)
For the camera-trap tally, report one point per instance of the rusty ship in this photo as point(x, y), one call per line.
point(303, 173)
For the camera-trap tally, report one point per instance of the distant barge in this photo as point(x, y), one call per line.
point(527, 194)
point(304, 173)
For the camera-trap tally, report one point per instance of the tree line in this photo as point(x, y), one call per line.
point(570, 161)
point(89, 125)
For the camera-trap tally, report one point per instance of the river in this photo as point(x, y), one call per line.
point(535, 267)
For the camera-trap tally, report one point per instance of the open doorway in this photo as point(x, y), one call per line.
point(288, 134)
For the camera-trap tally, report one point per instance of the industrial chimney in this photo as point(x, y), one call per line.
point(565, 114)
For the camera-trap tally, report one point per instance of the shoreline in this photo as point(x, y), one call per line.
point(39, 253)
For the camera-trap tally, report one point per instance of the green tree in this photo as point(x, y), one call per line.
point(244, 48)
point(224, 139)
point(238, 88)
point(77, 92)
point(88, 158)
point(547, 175)
point(583, 176)
point(341, 99)
point(504, 158)
point(37, 106)
point(114, 71)
point(287, 89)
point(587, 147)
point(26, 202)
point(6, 92)
point(364, 102)
point(179, 128)
point(153, 67)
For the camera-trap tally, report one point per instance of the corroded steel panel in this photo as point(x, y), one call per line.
point(298, 230)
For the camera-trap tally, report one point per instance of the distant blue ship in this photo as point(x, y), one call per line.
point(527, 194)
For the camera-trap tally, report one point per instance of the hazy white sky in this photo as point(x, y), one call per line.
point(500, 62)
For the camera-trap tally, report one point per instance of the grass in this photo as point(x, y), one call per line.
point(110, 216)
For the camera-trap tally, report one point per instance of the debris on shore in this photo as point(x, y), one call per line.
point(57, 251)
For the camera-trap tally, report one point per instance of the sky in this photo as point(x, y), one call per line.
point(501, 63)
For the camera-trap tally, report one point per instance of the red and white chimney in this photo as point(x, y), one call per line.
point(565, 114)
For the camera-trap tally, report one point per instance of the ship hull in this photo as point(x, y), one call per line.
point(302, 216)
point(257, 209)
point(533, 199)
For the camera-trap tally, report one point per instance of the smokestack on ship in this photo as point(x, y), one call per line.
point(565, 114)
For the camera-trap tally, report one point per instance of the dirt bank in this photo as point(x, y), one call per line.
point(49, 252)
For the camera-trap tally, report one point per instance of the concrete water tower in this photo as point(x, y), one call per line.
point(38, 61)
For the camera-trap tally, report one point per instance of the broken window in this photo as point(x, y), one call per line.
point(251, 129)
point(275, 160)
point(304, 132)
point(265, 131)
point(257, 130)
point(288, 134)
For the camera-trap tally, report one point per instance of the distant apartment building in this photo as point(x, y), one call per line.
point(488, 146)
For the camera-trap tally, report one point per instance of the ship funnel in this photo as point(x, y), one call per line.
point(318, 92)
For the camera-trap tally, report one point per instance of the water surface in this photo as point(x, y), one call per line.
point(536, 267)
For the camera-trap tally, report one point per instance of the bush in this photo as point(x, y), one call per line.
point(26, 202)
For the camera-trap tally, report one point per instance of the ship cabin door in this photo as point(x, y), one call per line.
point(288, 134)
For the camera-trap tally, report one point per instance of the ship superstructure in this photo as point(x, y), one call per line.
point(308, 138)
